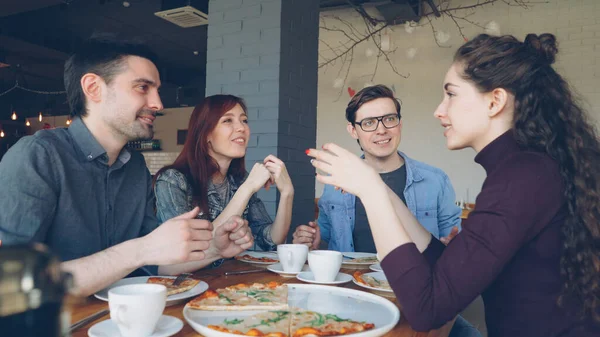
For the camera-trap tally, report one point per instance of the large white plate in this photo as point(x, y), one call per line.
point(349, 262)
point(378, 275)
point(271, 255)
point(346, 303)
point(173, 299)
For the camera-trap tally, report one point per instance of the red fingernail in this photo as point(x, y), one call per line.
point(307, 151)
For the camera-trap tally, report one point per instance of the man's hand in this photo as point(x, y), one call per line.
point(231, 238)
point(454, 232)
point(178, 240)
point(309, 235)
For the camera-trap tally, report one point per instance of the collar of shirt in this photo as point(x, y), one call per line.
point(89, 146)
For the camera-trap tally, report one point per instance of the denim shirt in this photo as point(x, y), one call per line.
point(429, 196)
point(174, 197)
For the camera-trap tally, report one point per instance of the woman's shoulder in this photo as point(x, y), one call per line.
point(173, 176)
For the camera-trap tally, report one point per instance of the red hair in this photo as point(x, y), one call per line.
point(194, 160)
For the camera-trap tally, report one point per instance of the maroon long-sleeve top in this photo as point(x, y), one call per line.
point(508, 251)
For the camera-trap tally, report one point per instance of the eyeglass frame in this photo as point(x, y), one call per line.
point(379, 120)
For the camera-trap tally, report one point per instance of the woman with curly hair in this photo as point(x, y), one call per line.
point(531, 246)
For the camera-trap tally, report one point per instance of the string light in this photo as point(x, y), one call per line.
point(2, 134)
point(14, 116)
point(18, 86)
point(68, 121)
point(40, 116)
point(27, 123)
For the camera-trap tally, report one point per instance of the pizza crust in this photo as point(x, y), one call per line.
point(184, 286)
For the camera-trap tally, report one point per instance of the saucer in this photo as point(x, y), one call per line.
point(166, 326)
point(277, 268)
point(308, 277)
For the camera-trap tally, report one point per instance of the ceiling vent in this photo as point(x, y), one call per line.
point(183, 14)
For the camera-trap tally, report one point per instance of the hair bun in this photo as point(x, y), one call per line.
point(543, 45)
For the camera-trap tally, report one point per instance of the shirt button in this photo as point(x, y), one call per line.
point(426, 213)
point(90, 156)
point(332, 207)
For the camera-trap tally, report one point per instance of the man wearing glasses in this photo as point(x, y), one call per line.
point(374, 120)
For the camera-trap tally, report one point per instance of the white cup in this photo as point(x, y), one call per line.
point(136, 308)
point(325, 264)
point(292, 257)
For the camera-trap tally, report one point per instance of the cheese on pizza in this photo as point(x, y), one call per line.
point(268, 324)
point(297, 323)
point(270, 296)
point(186, 285)
point(311, 323)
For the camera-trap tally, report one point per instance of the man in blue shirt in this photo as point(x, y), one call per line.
point(82, 193)
point(374, 120)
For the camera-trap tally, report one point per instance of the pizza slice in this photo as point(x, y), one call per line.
point(371, 281)
point(186, 285)
point(312, 323)
point(250, 258)
point(268, 324)
point(257, 296)
point(368, 259)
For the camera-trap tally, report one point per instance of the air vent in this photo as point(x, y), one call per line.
point(185, 17)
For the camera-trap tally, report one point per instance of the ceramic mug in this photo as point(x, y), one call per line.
point(292, 257)
point(136, 308)
point(325, 264)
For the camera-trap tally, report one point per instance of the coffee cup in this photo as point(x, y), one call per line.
point(325, 264)
point(292, 257)
point(136, 308)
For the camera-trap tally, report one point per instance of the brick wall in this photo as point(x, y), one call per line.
point(266, 52)
point(157, 160)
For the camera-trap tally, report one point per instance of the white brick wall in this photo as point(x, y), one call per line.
point(157, 160)
point(576, 23)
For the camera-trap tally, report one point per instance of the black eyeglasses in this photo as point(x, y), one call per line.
point(371, 124)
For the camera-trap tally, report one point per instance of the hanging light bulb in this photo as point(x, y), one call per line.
point(40, 116)
point(14, 116)
point(27, 123)
point(68, 121)
point(2, 134)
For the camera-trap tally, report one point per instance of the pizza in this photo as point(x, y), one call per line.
point(368, 259)
point(250, 258)
point(269, 296)
point(312, 323)
point(269, 324)
point(186, 285)
point(371, 281)
point(295, 323)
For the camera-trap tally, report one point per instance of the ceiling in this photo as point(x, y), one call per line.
point(36, 37)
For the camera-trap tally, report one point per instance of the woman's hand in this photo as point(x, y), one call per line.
point(279, 174)
point(259, 177)
point(343, 169)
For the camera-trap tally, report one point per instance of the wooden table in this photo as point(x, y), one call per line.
point(216, 279)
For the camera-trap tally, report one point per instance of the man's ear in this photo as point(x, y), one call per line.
point(351, 130)
point(498, 99)
point(91, 84)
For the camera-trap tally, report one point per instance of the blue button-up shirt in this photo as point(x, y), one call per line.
point(429, 196)
point(56, 188)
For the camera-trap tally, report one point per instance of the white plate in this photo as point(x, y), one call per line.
point(349, 262)
point(166, 326)
point(375, 267)
point(173, 299)
point(277, 268)
point(308, 277)
point(376, 275)
point(271, 255)
point(346, 303)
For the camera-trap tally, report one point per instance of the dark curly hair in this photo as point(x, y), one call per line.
point(548, 118)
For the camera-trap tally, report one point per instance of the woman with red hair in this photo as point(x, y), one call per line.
point(210, 173)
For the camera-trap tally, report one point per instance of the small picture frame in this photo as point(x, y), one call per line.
point(181, 135)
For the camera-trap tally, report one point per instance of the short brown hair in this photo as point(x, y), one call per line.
point(366, 95)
